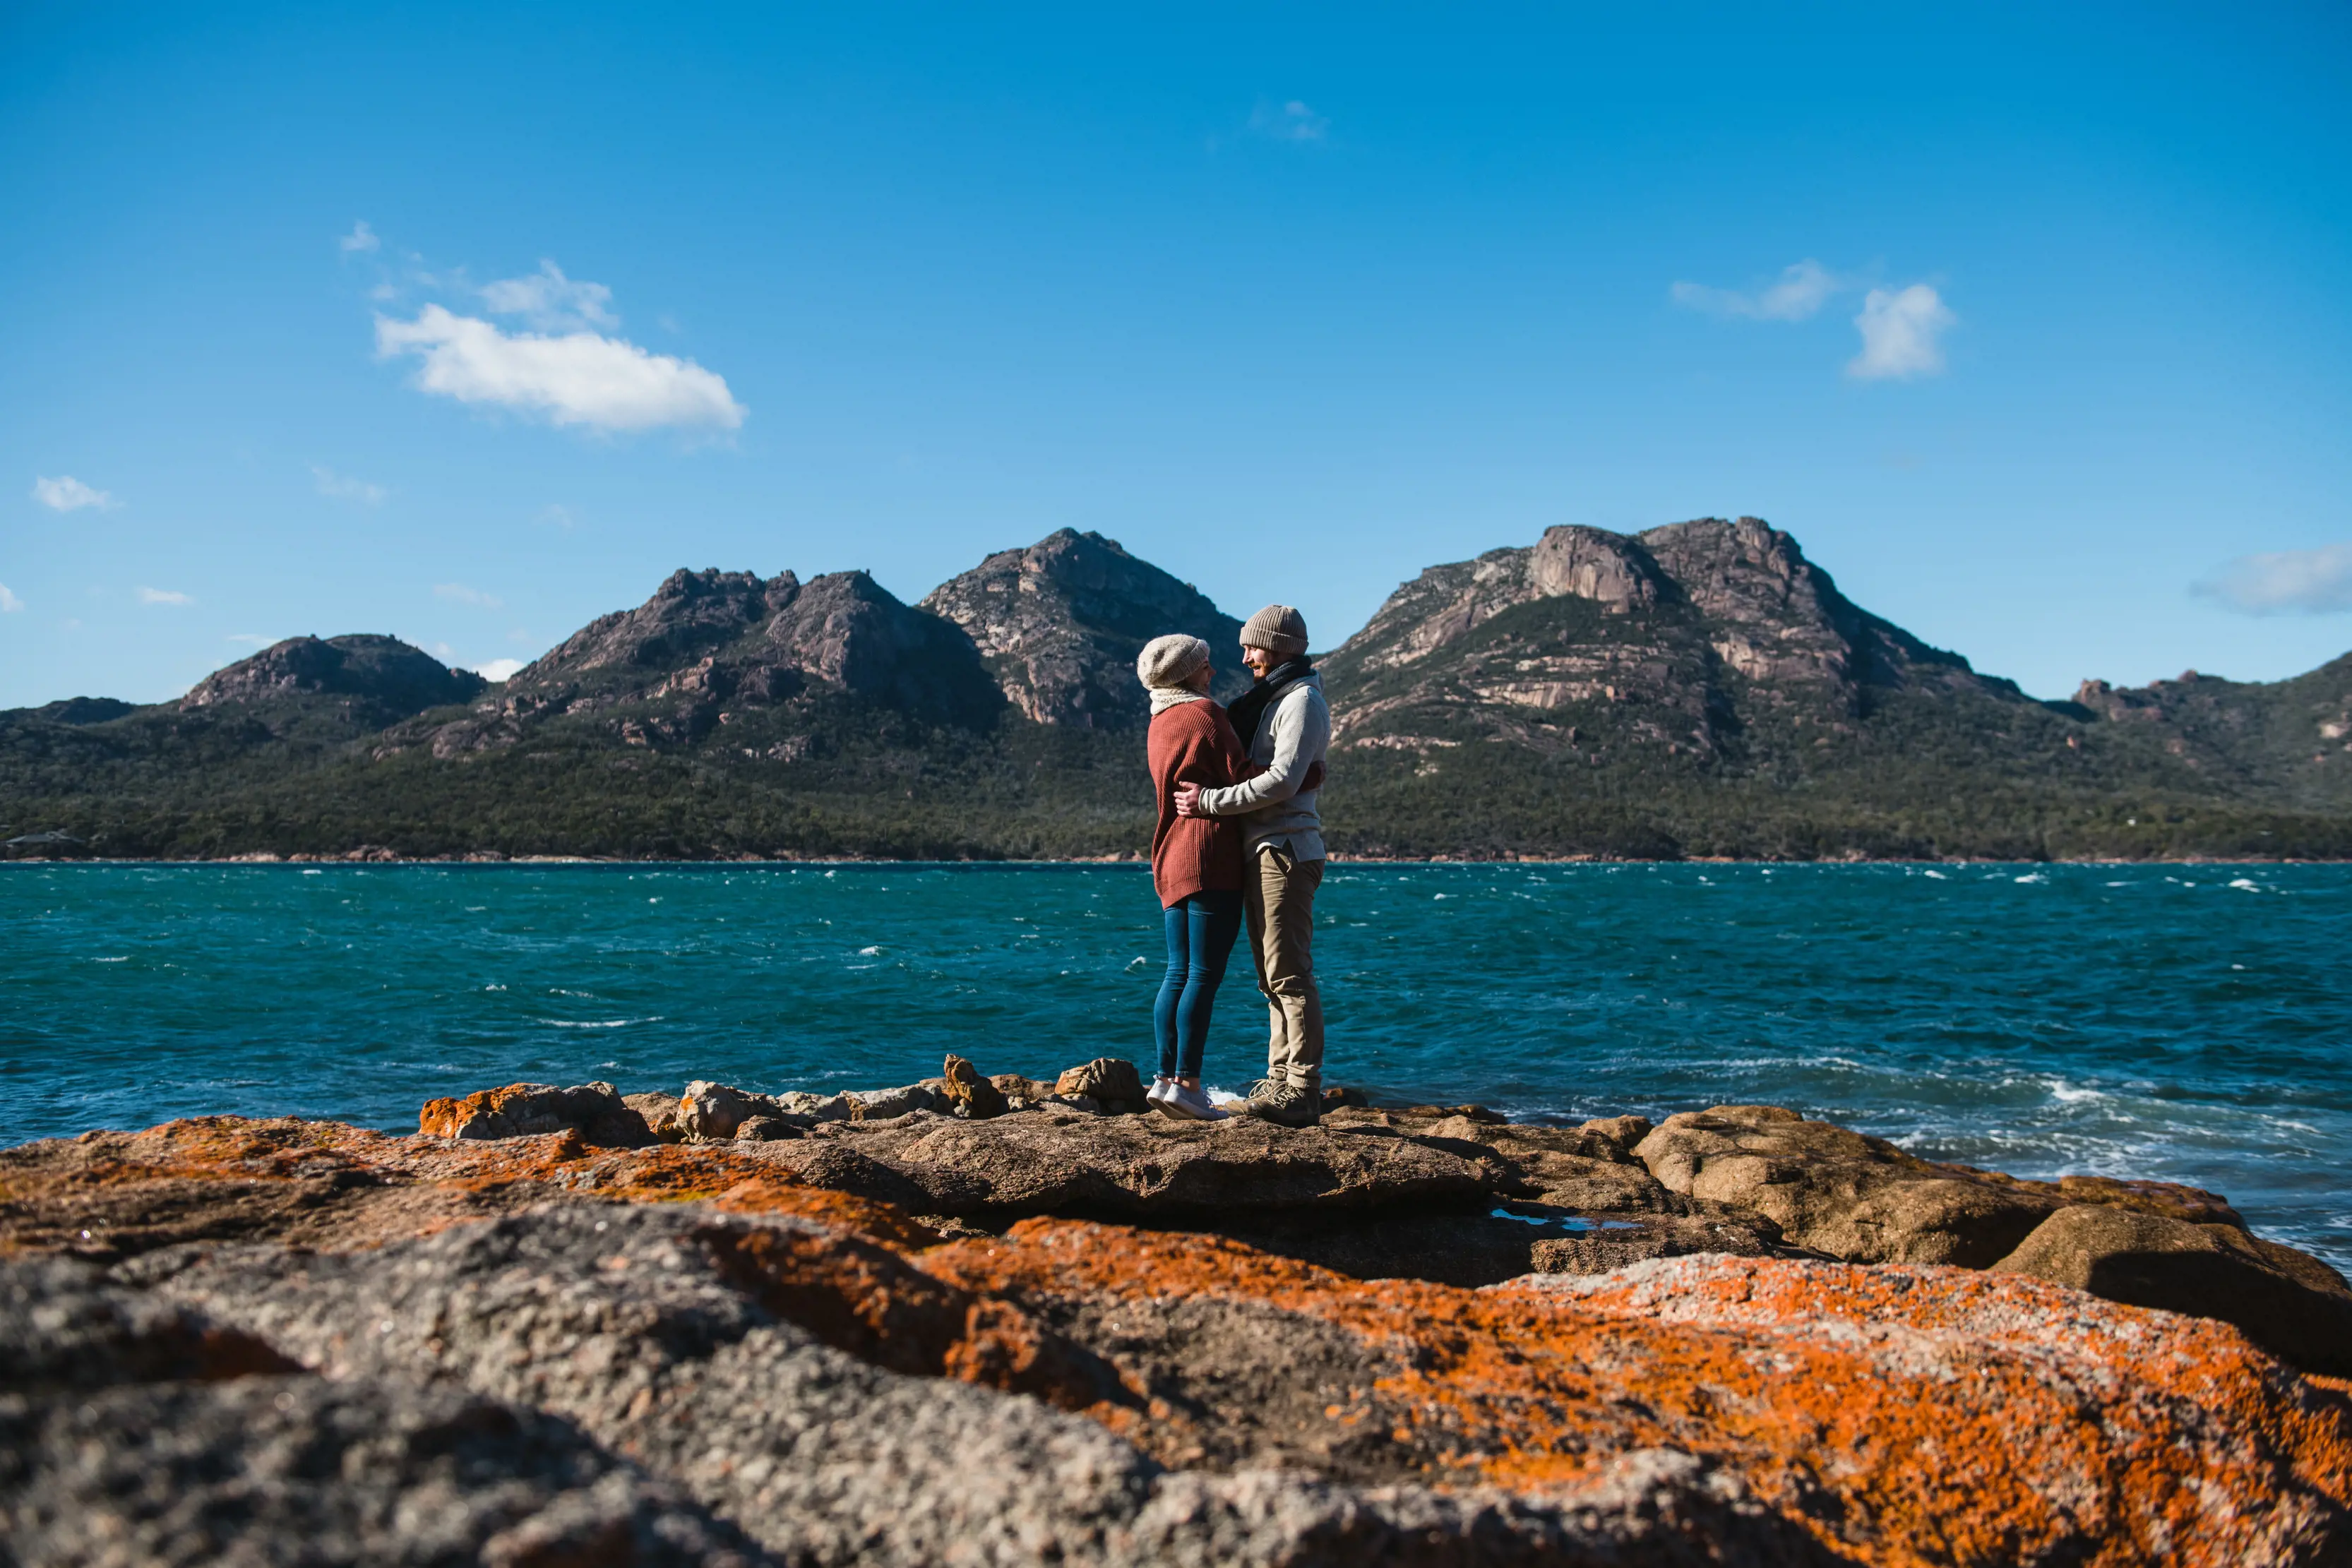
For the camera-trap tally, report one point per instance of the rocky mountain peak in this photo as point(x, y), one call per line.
point(390, 676)
point(1060, 622)
point(847, 629)
point(710, 642)
point(690, 614)
point(1675, 638)
point(1593, 563)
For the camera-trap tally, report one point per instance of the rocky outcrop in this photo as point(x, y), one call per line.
point(1855, 1197)
point(532, 1350)
point(2287, 1302)
point(1054, 1159)
point(139, 1431)
point(1840, 1192)
point(383, 678)
point(1060, 624)
point(595, 1112)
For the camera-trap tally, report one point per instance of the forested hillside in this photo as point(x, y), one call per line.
point(1699, 689)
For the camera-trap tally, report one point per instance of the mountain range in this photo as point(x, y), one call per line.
point(1696, 689)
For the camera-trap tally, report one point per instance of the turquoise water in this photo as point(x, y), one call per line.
point(2192, 1023)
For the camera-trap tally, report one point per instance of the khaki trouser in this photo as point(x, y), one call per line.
point(1279, 897)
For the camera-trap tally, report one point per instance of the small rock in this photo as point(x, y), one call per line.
point(1620, 1132)
point(660, 1111)
point(811, 1109)
point(973, 1096)
point(712, 1112)
point(1111, 1079)
point(885, 1103)
point(766, 1130)
point(594, 1111)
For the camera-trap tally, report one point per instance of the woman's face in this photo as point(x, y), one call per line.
point(1200, 677)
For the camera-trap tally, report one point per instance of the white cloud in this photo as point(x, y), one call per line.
point(1799, 291)
point(164, 596)
point(343, 487)
point(498, 669)
point(361, 237)
point(459, 593)
point(9, 602)
point(251, 639)
point(579, 377)
point(551, 301)
point(2305, 582)
point(67, 494)
point(557, 515)
point(1288, 121)
point(1899, 329)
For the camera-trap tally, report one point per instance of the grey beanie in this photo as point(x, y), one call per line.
point(1170, 661)
point(1278, 629)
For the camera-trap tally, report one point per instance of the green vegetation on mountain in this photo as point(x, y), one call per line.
point(1695, 690)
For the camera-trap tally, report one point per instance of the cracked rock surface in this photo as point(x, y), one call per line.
point(264, 1342)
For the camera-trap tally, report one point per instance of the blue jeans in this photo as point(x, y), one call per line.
point(1201, 931)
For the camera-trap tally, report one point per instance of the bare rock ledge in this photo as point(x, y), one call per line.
point(559, 1326)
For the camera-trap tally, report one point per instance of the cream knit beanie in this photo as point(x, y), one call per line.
point(1170, 661)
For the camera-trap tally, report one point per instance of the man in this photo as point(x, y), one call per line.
point(1284, 725)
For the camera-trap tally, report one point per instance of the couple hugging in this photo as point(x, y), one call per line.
point(1239, 842)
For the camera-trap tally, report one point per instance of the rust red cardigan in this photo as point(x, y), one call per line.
point(1194, 743)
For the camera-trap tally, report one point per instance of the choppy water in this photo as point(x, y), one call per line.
point(2191, 1024)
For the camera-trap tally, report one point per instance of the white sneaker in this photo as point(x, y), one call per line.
point(1160, 1089)
point(1168, 1104)
point(1192, 1102)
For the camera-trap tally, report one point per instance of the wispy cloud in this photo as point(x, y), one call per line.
point(164, 596)
point(579, 379)
point(551, 301)
point(9, 602)
point(343, 487)
point(498, 669)
point(2284, 583)
point(1290, 121)
point(361, 238)
point(251, 639)
point(459, 593)
point(556, 515)
point(1900, 329)
point(67, 494)
point(1800, 290)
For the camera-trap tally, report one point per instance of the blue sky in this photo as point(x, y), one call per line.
point(471, 323)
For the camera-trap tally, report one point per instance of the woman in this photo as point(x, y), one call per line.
point(1196, 864)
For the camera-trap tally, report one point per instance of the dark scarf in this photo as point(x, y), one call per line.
point(1249, 708)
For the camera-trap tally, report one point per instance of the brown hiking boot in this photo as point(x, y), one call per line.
point(1284, 1105)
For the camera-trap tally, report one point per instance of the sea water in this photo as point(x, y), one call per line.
point(2191, 1024)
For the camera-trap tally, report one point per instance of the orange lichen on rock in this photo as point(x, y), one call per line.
point(327, 1184)
point(1900, 1414)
